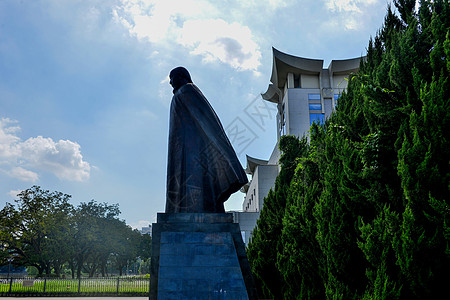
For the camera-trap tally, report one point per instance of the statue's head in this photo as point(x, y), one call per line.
point(179, 77)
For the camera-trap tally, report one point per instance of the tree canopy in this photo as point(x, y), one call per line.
point(42, 229)
point(366, 213)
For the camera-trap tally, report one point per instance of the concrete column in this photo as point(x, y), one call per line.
point(290, 81)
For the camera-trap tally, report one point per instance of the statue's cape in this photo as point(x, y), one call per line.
point(202, 169)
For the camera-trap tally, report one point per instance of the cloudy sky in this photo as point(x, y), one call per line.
point(84, 94)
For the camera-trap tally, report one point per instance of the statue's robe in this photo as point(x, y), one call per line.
point(203, 169)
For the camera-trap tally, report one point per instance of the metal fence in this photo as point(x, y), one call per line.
point(130, 286)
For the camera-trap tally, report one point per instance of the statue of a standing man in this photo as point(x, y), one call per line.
point(203, 169)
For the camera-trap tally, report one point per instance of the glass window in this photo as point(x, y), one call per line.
point(315, 106)
point(283, 122)
point(318, 118)
point(313, 96)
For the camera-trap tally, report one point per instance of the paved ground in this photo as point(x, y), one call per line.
point(75, 298)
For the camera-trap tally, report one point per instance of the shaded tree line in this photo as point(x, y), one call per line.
point(42, 229)
point(363, 210)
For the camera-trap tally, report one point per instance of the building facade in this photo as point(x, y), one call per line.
point(303, 92)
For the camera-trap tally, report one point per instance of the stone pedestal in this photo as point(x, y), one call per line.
point(199, 256)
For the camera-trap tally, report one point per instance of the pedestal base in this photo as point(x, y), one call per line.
point(199, 256)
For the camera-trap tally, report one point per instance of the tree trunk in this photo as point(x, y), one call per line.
point(72, 268)
point(92, 270)
point(40, 270)
point(57, 267)
point(79, 271)
point(48, 270)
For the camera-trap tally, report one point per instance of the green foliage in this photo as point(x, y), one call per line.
point(43, 231)
point(363, 212)
point(32, 232)
point(263, 248)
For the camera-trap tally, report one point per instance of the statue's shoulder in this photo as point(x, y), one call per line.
point(187, 89)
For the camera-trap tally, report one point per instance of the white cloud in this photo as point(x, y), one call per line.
point(155, 20)
point(23, 174)
point(14, 193)
point(194, 25)
point(348, 5)
point(269, 4)
point(351, 12)
point(216, 39)
point(62, 158)
point(8, 139)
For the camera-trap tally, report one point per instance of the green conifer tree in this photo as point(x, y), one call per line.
point(365, 212)
point(264, 246)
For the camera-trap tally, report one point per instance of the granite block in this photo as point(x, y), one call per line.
point(214, 261)
point(230, 272)
point(199, 256)
point(201, 285)
point(169, 273)
point(195, 218)
point(218, 238)
point(201, 249)
point(199, 272)
point(172, 237)
point(233, 284)
point(225, 249)
point(175, 260)
point(170, 285)
point(168, 249)
point(194, 237)
point(170, 295)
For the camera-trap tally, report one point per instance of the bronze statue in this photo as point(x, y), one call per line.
point(202, 169)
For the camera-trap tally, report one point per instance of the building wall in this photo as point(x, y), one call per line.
point(275, 156)
point(250, 198)
point(309, 81)
point(340, 82)
point(262, 182)
point(247, 221)
point(298, 107)
point(266, 182)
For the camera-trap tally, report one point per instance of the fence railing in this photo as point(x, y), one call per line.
point(132, 286)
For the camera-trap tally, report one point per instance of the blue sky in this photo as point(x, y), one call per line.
point(84, 94)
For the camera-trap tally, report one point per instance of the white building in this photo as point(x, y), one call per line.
point(146, 230)
point(303, 92)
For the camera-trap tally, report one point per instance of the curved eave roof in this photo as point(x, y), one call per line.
point(272, 94)
point(252, 163)
point(244, 188)
point(345, 66)
point(285, 63)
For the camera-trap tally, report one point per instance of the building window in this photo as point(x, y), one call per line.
point(315, 106)
point(313, 96)
point(318, 118)
point(282, 122)
point(296, 81)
